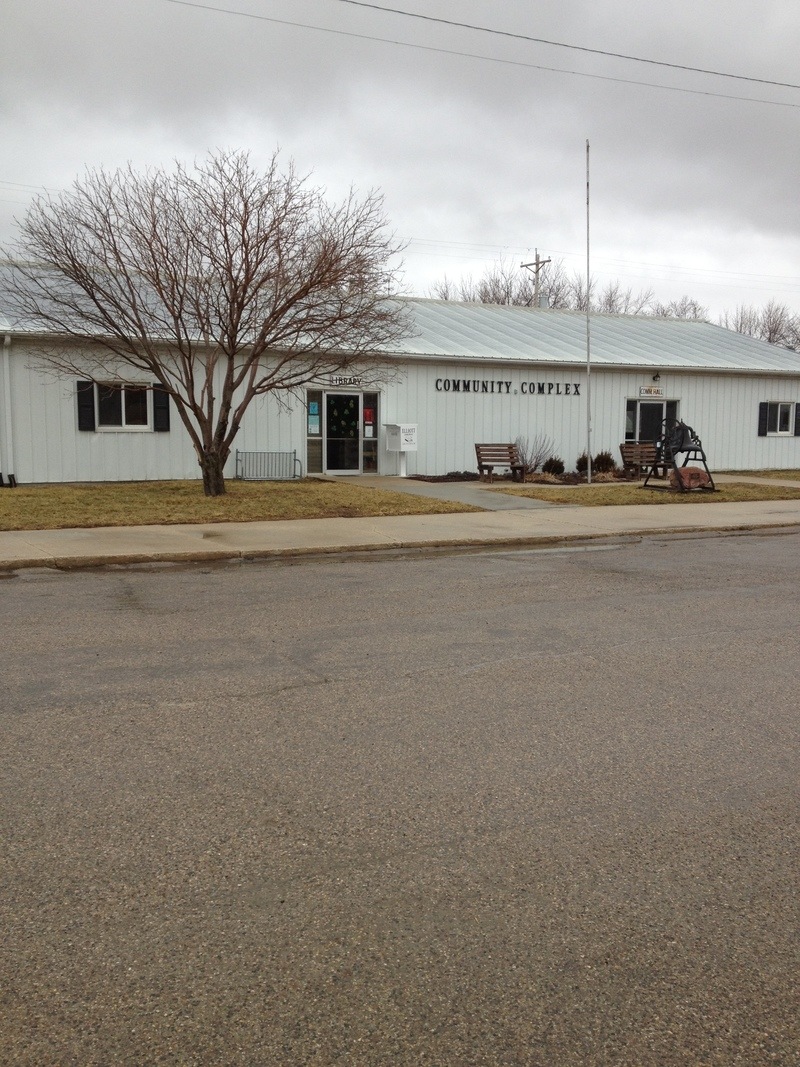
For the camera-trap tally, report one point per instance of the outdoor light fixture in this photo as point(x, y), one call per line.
point(656, 377)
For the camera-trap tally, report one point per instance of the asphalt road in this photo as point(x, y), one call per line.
point(503, 808)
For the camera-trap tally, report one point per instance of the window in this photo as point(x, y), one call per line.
point(114, 406)
point(123, 406)
point(779, 418)
point(314, 431)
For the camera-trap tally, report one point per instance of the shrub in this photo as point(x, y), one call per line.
point(603, 463)
point(553, 465)
point(534, 453)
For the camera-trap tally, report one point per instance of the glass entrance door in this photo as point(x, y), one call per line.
point(342, 433)
point(650, 418)
point(644, 418)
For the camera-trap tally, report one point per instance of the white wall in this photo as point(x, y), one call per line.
point(723, 409)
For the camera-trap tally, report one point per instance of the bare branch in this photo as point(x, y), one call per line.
point(220, 283)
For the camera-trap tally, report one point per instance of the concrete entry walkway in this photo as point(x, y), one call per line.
point(490, 497)
point(478, 494)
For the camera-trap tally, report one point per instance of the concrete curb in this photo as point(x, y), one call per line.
point(93, 562)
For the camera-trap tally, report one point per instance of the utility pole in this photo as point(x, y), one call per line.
point(535, 268)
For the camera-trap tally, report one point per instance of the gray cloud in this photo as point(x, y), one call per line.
point(475, 157)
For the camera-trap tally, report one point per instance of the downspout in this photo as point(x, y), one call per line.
point(8, 443)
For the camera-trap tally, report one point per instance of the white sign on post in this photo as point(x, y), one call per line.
point(402, 438)
point(408, 438)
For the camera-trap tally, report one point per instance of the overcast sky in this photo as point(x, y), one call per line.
point(477, 140)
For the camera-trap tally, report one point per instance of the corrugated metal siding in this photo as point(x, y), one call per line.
point(49, 447)
point(723, 410)
point(270, 426)
point(723, 407)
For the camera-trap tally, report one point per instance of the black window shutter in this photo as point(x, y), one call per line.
point(763, 410)
point(86, 406)
point(797, 420)
point(160, 409)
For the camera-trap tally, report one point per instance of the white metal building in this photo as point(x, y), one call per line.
point(467, 373)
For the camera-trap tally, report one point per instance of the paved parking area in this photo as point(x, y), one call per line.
point(504, 808)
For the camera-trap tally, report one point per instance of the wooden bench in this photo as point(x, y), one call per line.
point(491, 456)
point(638, 457)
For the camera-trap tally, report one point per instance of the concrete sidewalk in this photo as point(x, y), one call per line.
point(254, 540)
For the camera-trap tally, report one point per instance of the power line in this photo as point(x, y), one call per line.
point(474, 55)
point(561, 44)
point(525, 249)
point(670, 266)
point(659, 271)
point(21, 185)
point(465, 250)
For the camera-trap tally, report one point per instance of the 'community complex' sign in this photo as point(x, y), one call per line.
point(504, 388)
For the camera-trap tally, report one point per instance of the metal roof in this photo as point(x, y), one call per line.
point(443, 329)
point(446, 329)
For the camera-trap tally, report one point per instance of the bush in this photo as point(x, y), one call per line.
point(604, 463)
point(534, 453)
point(553, 465)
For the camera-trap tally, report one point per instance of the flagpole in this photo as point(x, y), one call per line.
point(588, 338)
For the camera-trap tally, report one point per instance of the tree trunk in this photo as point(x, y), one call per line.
point(211, 464)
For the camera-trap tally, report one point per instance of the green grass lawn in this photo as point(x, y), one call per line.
point(55, 507)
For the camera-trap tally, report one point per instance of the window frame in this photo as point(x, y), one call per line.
point(123, 389)
point(769, 418)
point(91, 403)
point(775, 408)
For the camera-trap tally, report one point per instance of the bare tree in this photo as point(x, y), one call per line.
point(536, 452)
point(582, 292)
point(742, 319)
point(556, 285)
point(614, 300)
point(507, 283)
point(445, 289)
point(776, 325)
point(685, 308)
point(502, 283)
point(792, 339)
point(221, 284)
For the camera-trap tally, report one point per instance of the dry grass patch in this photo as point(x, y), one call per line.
point(56, 507)
point(789, 476)
point(625, 493)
